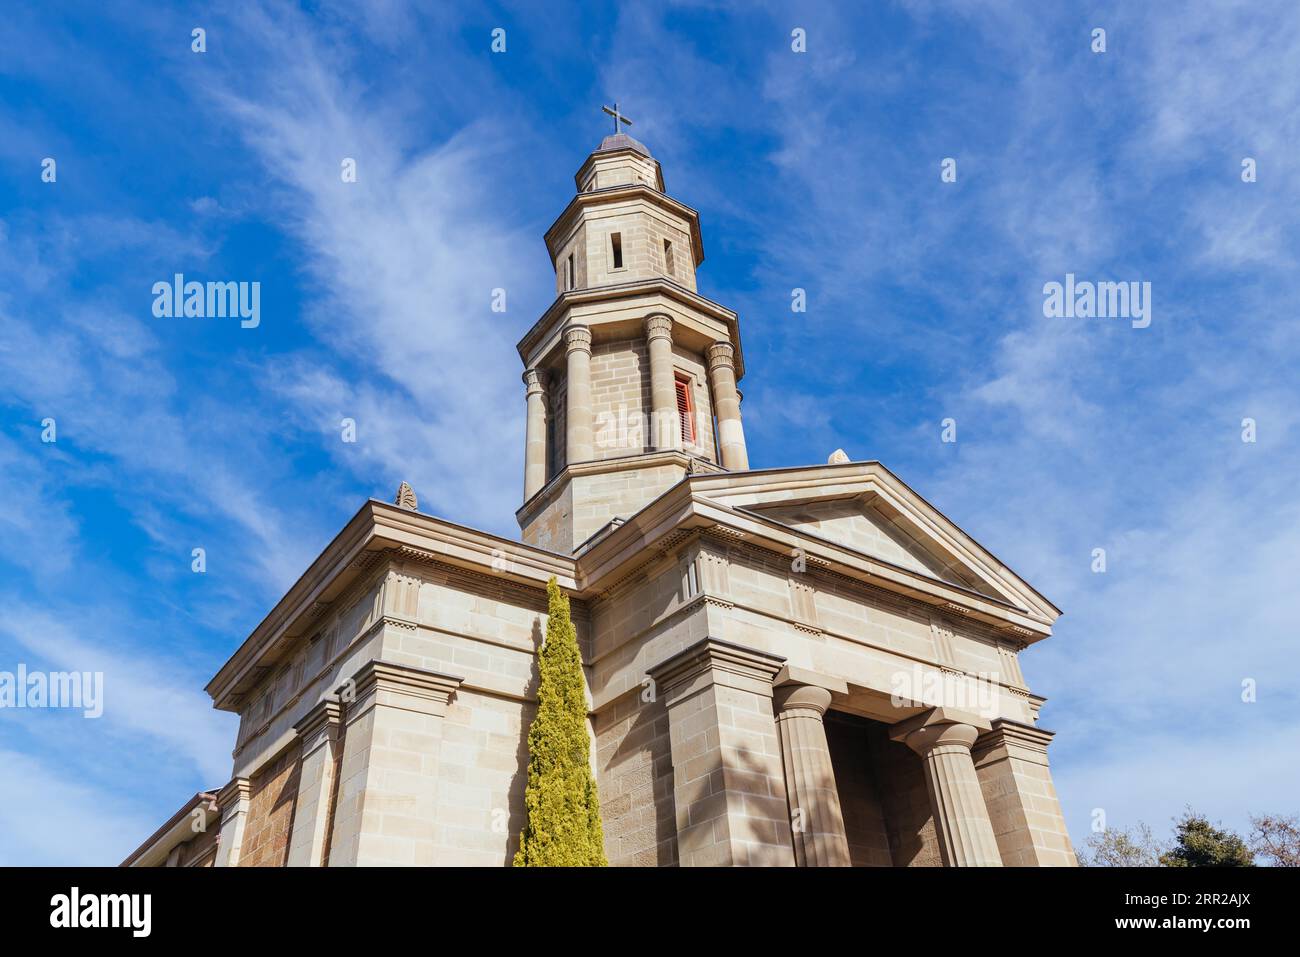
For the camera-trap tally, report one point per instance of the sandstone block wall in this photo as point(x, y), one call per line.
point(1022, 804)
point(274, 791)
point(634, 772)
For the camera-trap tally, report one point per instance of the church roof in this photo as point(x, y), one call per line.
point(621, 141)
point(929, 559)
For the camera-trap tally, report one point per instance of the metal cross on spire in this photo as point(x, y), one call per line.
point(618, 117)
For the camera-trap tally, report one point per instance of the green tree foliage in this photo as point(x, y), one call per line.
point(1122, 847)
point(1198, 843)
point(563, 826)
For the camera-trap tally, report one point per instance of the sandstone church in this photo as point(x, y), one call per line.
point(794, 666)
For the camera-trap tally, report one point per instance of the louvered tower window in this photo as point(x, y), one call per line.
point(686, 409)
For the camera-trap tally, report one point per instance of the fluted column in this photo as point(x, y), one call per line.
point(960, 815)
point(535, 444)
point(578, 446)
point(816, 820)
point(665, 425)
point(726, 406)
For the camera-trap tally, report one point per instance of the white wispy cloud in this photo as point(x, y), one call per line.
point(403, 264)
point(49, 816)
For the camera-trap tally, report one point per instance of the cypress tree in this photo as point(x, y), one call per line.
point(563, 825)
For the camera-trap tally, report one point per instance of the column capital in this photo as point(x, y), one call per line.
point(533, 379)
point(801, 698)
point(938, 726)
point(713, 661)
point(658, 326)
point(924, 740)
point(722, 354)
point(577, 339)
point(320, 725)
point(398, 686)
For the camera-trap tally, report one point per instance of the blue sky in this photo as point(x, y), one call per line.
point(817, 170)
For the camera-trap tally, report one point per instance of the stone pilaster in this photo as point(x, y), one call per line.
point(319, 732)
point(816, 820)
point(961, 818)
point(665, 423)
point(535, 444)
point(577, 344)
point(1011, 761)
point(233, 800)
point(387, 792)
point(728, 784)
point(726, 406)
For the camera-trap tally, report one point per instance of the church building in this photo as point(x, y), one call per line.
point(802, 665)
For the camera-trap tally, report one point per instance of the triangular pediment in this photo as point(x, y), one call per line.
point(872, 530)
point(864, 507)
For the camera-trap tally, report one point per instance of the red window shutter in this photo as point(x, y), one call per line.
point(685, 411)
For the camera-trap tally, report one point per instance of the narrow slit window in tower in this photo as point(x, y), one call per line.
point(616, 243)
point(668, 257)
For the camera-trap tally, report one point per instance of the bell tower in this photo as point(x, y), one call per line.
point(630, 374)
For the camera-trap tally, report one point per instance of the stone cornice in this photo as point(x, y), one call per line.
point(663, 548)
point(873, 482)
point(635, 543)
point(1006, 733)
point(320, 724)
point(380, 682)
point(716, 661)
point(377, 528)
point(234, 796)
point(691, 301)
point(492, 584)
point(872, 573)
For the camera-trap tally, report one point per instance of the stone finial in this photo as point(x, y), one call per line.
point(838, 457)
point(406, 498)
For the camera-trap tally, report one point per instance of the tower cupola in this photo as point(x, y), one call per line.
point(631, 374)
